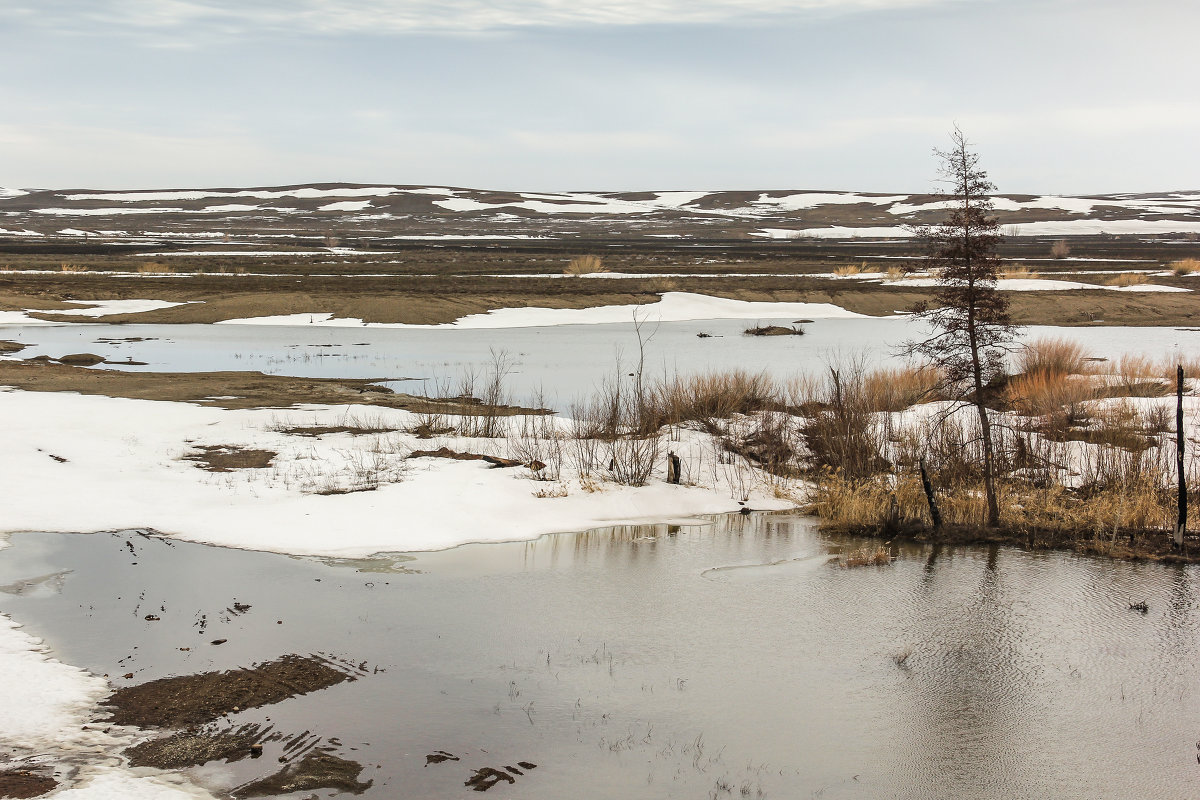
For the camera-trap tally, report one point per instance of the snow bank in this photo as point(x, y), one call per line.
point(673, 307)
point(103, 308)
point(347, 205)
point(123, 469)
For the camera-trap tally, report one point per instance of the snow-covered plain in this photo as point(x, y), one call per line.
point(123, 469)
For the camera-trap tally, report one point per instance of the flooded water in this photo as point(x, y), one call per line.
point(569, 361)
point(726, 659)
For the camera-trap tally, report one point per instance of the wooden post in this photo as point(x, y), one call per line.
point(673, 468)
point(1180, 443)
point(929, 498)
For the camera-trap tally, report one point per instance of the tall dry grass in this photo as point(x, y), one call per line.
point(1052, 355)
point(584, 265)
point(1060, 249)
point(1184, 266)
point(1128, 279)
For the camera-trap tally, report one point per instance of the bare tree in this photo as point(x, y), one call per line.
point(972, 329)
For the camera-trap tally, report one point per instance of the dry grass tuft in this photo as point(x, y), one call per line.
point(1128, 279)
point(584, 265)
point(1052, 356)
point(847, 270)
point(1018, 272)
point(1060, 249)
point(68, 267)
point(1057, 398)
point(898, 388)
point(153, 268)
point(1185, 266)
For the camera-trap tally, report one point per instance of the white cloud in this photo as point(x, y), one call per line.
point(399, 16)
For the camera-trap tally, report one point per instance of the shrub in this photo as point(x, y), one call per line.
point(584, 265)
point(1060, 249)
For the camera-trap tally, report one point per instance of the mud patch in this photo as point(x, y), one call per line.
point(190, 700)
point(81, 359)
point(488, 777)
point(195, 747)
point(228, 457)
point(317, 770)
point(20, 783)
point(774, 330)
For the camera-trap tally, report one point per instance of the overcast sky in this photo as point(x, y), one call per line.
point(1059, 96)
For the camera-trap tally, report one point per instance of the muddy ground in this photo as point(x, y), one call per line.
point(223, 389)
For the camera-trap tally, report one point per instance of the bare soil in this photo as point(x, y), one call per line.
point(317, 770)
point(228, 457)
point(21, 783)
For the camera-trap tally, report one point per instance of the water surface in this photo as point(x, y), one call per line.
point(726, 659)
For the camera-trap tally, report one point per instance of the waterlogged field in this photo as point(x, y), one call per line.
point(563, 362)
point(719, 657)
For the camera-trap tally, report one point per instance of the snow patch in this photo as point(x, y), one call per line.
point(672, 307)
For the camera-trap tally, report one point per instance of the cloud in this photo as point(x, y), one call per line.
point(405, 16)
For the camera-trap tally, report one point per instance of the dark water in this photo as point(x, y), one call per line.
point(729, 660)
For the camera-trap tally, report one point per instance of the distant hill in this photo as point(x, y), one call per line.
point(378, 213)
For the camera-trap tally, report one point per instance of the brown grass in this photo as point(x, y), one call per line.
point(584, 265)
point(847, 270)
point(898, 388)
point(1057, 398)
point(1018, 272)
point(714, 395)
point(153, 268)
point(68, 267)
point(1184, 266)
point(1060, 249)
point(1053, 356)
point(1128, 279)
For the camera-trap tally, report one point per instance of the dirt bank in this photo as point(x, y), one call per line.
point(221, 389)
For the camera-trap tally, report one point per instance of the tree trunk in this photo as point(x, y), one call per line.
point(1180, 443)
point(673, 468)
point(934, 513)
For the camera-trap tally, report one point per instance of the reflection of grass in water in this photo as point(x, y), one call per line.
point(866, 557)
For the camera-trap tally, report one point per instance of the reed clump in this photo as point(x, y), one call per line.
point(584, 265)
point(1184, 266)
point(1128, 279)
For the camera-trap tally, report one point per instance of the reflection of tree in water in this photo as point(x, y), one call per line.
point(970, 682)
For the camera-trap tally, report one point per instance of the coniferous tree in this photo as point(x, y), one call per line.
point(971, 326)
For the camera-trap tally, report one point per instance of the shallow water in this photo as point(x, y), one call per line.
point(670, 661)
point(569, 361)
